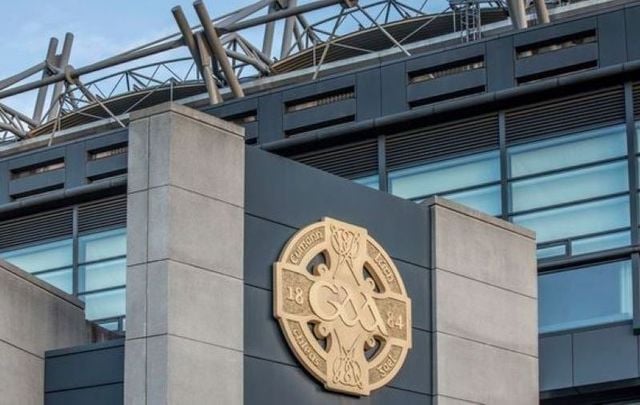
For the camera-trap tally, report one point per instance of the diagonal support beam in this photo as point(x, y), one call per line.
point(216, 48)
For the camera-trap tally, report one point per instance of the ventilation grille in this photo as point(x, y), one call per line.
point(33, 228)
point(636, 99)
point(469, 134)
point(567, 113)
point(102, 213)
point(556, 44)
point(345, 160)
point(320, 99)
point(437, 72)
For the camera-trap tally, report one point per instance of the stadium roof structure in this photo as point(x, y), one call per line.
point(296, 41)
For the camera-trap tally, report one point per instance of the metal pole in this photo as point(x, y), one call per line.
point(22, 75)
point(280, 14)
point(187, 35)
point(517, 14)
point(267, 42)
point(207, 72)
point(216, 48)
point(42, 92)
point(62, 64)
point(288, 32)
point(541, 11)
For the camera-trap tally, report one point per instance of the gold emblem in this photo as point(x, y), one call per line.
point(342, 307)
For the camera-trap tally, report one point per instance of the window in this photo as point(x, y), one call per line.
point(102, 274)
point(52, 262)
point(369, 181)
point(573, 191)
point(471, 180)
point(98, 276)
point(585, 297)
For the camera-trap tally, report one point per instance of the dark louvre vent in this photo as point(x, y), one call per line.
point(564, 114)
point(345, 160)
point(102, 213)
point(443, 139)
point(636, 99)
point(33, 228)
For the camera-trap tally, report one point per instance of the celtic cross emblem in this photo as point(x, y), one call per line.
point(342, 306)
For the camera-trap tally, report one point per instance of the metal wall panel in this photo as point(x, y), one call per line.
point(564, 114)
point(91, 374)
point(350, 160)
point(283, 196)
point(466, 135)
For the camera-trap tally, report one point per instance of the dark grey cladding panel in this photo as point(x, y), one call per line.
point(111, 394)
point(295, 195)
point(499, 62)
point(632, 16)
point(556, 362)
point(393, 88)
point(270, 112)
point(611, 28)
point(368, 97)
point(550, 61)
point(603, 355)
point(84, 367)
point(91, 374)
point(274, 383)
point(549, 32)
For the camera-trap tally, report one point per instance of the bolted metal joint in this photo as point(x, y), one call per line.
point(349, 3)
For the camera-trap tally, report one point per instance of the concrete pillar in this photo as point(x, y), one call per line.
point(185, 202)
point(485, 322)
point(34, 317)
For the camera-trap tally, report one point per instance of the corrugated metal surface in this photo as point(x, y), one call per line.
point(565, 114)
point(443, 139)
point(102, 213)
point(344, 160)
point(636, 99)
point(33, 228)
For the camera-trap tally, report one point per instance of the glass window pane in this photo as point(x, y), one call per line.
point(602, 242)
point(486, 199)
point(63, 279)
point(46, 256)
point(589, 296)
point(569, 186)
point(112, 326)
point(551, 251)
point(102, 245)
point(101, 275)
point(105, 304)
point(369, 181)
point(567, 151)
point(579, 219)
point(447, 175)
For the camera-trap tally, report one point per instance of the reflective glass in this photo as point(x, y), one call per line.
point(101, 275)
point(579, 219)
point(113, 326)
point(105, 304)
point(450, 174)
point(46, 256)
point(569, 186)
point(603, 242)
point(584, 297)
point(63, 279)
point(558, 153)
point(486, 199)
point(102, 245)
point(551, 251)
point(369, 181)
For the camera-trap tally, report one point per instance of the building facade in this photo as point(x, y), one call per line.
point(539, 128)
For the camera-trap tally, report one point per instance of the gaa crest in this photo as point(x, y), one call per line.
point(342, 307)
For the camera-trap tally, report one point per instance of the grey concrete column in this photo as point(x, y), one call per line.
point(34, 317)
point(485, 319)
point(184, 258)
